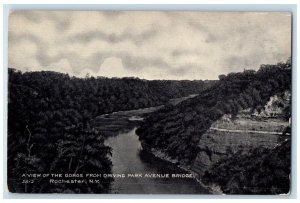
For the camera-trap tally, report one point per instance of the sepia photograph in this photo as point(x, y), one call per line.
point(149, 102)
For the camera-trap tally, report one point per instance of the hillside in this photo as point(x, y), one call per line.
point(103, 95)
point(248, 154)
point(235, 136)
point(177, 130)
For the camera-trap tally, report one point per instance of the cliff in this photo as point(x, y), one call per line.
point(228, 136)
point(249, 129)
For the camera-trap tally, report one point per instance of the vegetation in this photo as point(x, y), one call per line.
point(49, 127)
point(177, 130)
point(260, 171)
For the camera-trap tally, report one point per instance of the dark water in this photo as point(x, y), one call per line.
point(129, 158)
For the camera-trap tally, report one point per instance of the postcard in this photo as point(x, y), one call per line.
point(149, 102)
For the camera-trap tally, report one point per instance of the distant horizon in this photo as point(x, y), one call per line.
point(136, 77)
point(148, 45)
point(99, 76)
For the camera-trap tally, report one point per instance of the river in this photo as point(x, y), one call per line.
point(128, 158)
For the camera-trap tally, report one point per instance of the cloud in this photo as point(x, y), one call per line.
point(116, 64)
point(113, 38)
point(62, 65)
point(62, 21)
point(184, 70)
point(138, 63)
point(150, 45)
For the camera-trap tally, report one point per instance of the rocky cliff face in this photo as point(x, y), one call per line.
point(215, 145)
point(246, 131)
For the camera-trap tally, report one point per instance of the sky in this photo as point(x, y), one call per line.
point(148, 45)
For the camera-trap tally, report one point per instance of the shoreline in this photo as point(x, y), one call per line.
point(214, 189)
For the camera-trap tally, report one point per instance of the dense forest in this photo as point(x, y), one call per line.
point(244, 173)
point(49, 128)
point(177, 130)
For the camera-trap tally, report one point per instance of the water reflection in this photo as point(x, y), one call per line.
point(129, 158)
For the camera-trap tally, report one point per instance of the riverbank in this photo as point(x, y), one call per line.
point(213, 189)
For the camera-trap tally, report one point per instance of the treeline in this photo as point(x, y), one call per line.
point(49, 127)
point(104, 95)
point(260, 171)
point(177, 130)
